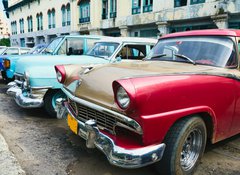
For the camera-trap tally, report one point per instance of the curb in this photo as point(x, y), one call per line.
point(8, 163)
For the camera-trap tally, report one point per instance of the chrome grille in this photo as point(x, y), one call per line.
point(104, 121)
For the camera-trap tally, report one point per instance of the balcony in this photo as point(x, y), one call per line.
point(147, 8)
point(113, 14)
point(68, 23)
point(136, 10)
point(63, 24)
point(84, 20)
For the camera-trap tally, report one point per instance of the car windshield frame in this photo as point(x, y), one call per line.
point(206, 50)
point(92, 51)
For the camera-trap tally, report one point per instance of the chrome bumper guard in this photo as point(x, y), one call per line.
point(116, 155)
point(21, 100)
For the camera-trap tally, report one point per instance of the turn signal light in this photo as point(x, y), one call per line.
point(6, 64)
point(61, 73)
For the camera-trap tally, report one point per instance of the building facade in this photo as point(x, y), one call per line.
point(4, 30)
point(37, 21)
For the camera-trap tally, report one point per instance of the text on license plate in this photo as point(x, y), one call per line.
point(72, 123)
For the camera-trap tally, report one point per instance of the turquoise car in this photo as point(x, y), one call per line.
point(70, 45)
point(35, 82)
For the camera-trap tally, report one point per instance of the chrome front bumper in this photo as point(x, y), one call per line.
point(116, 155)
point(24, 100)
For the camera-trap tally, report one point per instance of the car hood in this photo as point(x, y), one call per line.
point(42, 66)
point(96, 85)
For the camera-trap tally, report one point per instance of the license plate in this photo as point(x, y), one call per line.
point(72, 123)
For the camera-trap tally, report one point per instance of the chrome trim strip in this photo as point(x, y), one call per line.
point(119, 116)
point(41, 87)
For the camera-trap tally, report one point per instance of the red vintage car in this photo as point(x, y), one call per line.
point(162, 109)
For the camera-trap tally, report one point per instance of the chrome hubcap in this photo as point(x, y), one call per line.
point(191, 149)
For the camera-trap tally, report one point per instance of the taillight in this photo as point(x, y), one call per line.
point(6, 64)
point(61, 73)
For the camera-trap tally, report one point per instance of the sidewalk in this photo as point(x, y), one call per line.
point(8, 163)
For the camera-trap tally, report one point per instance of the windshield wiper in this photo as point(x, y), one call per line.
point(185, 57)
point(159, 55)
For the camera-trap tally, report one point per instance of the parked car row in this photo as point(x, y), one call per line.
point(137, 102)
point(13, 53)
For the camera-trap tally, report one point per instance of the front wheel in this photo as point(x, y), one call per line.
point(50, 101)
point(185, 145)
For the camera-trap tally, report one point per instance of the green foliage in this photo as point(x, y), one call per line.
point(5, 42)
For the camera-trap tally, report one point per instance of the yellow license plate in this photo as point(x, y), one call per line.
point(72, 123)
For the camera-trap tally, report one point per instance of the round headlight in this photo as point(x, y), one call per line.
point(59, 77)
point(122, 98)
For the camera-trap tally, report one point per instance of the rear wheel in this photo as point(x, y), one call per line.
point(185, 145)
point(50, 101)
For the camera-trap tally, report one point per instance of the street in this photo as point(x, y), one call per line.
point(44, 145)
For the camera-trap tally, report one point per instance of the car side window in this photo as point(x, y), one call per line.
point(24, 51)
point(71, 46)
point(135, 52)
point(11, 51)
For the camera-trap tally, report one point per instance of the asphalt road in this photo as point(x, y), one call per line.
point(43, 145)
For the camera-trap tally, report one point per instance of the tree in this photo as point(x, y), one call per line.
point(5, 42)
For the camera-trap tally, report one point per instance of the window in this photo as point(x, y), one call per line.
point(104, 9)
point(21, 23)
point(179, 3)
point(63, 9)
point(84, 7)
point(136, 52)
point(205, 50)
point(24, 51)
point(113, 8)
point(11, 51)
point(136, 6)
point(22, 42)
point(103, 49)
point(90, 43)
point(51, 19)
point(29, 21)
point(40, 21)
point(68, 14)
point(71, 46)
point(197, 1)
point(147, 5)
point(14, 27)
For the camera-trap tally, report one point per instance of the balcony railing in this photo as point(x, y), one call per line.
point(113, 14)
point(83, 20)
point(63, 24)
point(147, 8)
point(68, 23)
point(136, 10)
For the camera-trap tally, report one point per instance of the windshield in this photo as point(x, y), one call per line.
point(216, 51)
point(2, 50)
point(103, 49)
point(53, 45)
